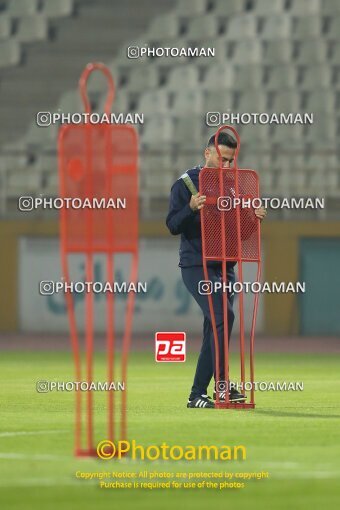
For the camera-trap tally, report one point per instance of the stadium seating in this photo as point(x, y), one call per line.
point(270, 56)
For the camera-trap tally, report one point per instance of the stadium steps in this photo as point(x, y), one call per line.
point(95, 32)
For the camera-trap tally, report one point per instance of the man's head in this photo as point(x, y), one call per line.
point(226, 144)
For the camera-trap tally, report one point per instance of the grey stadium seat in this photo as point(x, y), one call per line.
point(265, 7)
point(286, 101)
point(287, 135)
point(247, 51)
point(253, 100)
point(32, 28)
point(330, 7)
point(305, 7)
point(255, 135)
point(277, 26)
point(10, 53)
point(186, 77)
point(323, 128)
point(228, 7)
point(166, 25)
point(154, 102)
point(187, 102)
point(189, 131)
point(316, 76)
point(219, 75)
point(311, 51)
point(191, 7)
point(248, 76)
point(24, 181)
point(335, 55)
point(142, 78)
point(53, 9)
point(158, 130)
point(18, 8)
point(39, 137)
point(276, 52)
point(52, 185)
point(220, 100)
point(334, 29)
point(202, 26)
point(71, 102)
point(5, 26)
point(281, 76)
point(241, 26)
point(308, 27)
point(121, 58)
point(322, 100)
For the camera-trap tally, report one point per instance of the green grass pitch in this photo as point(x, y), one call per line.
point(295, 436)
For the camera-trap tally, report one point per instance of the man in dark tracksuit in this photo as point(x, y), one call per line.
point(184, 218)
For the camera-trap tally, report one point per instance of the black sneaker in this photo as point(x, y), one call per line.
point(234, 396)
point(201, 402)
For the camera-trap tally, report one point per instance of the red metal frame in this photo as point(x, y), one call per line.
point(225, 256)
point(90, 232)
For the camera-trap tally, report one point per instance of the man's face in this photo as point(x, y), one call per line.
point(212, 160)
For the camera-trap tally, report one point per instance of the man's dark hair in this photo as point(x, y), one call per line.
point(223, 139)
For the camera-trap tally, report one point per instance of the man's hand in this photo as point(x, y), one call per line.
point(261, 213)
point(197, 201)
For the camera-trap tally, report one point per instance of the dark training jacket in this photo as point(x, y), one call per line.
point(181, 219)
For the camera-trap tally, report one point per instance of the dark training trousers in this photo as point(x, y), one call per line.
point(205, 369)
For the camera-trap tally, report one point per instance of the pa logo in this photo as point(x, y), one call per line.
point(170, 346)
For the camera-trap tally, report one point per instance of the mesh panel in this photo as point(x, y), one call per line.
point(215, 183)
point(99, 161)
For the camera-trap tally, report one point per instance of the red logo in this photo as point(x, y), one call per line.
point(170, 346)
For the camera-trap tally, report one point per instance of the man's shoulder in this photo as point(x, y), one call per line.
point(193, 172)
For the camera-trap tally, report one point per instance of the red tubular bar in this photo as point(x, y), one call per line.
point(224, 297)
point(126, 343)
point(75, 349)
point(83, 86)
point(211, 308)
point(88, 295)
point(70, 304)
point(110, 326)
point(253, 324)
point(239, 258)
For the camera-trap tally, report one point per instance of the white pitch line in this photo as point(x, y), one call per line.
point(31, 433)
point(307, 475)
point(38, 482)
point(22, 456)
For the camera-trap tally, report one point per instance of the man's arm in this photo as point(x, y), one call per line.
point(180, 211)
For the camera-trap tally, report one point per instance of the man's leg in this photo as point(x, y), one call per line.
point(204, 369)
point(206, 362)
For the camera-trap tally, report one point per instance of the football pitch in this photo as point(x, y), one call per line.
point(292, 435)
